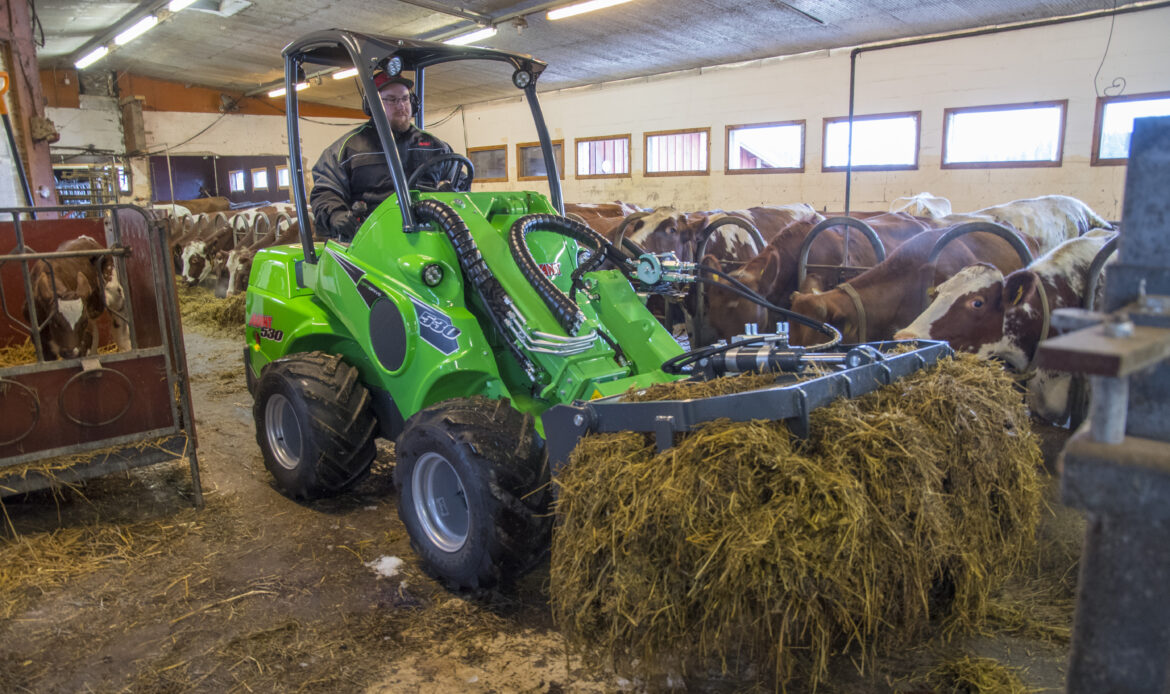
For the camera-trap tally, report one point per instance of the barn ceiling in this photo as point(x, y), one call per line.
point(236, 44)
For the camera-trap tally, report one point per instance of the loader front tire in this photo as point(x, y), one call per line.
point(473, 491)
point(314, 425)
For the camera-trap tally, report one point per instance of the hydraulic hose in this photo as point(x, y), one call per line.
point(566, 312)
point(490, 291)
point(737, 287)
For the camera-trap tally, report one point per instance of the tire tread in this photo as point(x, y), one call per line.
point(340, 417)
point(515, 475)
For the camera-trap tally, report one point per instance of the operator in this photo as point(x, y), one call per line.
point(354, 169)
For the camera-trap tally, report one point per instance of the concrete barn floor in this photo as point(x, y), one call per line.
point(121, 586)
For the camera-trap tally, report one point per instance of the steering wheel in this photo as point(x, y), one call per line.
point(460, 181)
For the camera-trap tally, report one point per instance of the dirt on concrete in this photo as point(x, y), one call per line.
point(121, 585)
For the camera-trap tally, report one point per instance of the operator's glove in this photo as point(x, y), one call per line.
point(343, 225)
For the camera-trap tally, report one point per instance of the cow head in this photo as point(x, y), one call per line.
point(832, 307)
point(221, 269)
point(195, 265)
point(727, 312)
point(666, 230)
point(239, 267)
point(967, 311)
point(67, 333)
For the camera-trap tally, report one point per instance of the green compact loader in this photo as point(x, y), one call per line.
point(485, 333)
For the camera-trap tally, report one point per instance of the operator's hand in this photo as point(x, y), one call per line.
point(342, 224)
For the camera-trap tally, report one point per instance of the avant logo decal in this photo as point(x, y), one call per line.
point(435, 328)
point(264, 329)
point(550, 270)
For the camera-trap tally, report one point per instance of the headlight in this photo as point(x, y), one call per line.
point(522, 78)
point(432, 274)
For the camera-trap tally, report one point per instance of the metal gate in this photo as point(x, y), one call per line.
point(104, 412)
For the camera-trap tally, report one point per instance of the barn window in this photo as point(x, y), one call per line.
point(491, 163)
point(236, 181)
point(881, 142)
point(260, 179)
point(530, 160)
point(677, 152)
point(1001, 136)
point(123, 180)
point(1114, 123)
point(282, 177)
point(765, 148)
point(603, 157)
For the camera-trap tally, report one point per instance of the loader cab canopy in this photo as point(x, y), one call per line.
point(344, 49)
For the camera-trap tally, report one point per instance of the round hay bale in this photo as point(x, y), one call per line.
point(744, 546)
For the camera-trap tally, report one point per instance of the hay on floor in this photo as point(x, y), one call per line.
point(199, 306)
point(745, 546)
point(965, 674)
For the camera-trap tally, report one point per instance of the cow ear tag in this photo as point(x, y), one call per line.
point(1018, 297)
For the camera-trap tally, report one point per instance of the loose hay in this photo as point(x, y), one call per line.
point(35, 564)
point(200, 306)
point(685, 390)
point(19, 353)
point(745, 545)
point(970, 675)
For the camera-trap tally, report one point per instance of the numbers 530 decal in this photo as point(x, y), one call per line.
point(435, 328)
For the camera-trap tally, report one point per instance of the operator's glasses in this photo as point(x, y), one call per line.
point(396, 100)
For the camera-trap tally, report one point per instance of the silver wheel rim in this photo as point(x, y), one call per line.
point(440, 502)
point(284, 431)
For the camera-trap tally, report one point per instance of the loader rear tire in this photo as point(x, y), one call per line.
point(474, 491)
point(314, 425)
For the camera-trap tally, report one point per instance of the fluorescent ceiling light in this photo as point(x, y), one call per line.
point(301, 86)
point(177, 5)
point(140, 27)
point(472, 37)
point(342, 74)
point(582, 8)
point(93, 56)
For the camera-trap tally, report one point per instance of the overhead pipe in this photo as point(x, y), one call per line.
point(966, 34)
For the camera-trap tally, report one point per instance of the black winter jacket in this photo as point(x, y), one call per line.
point(354, 167)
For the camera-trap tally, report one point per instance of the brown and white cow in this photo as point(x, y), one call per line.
point(199, 205)
point(667, 230)
point(68, 301)
point(889, 295)
point(773, 273)
point(189, 229)
point(1049, 220)
point(601, 217)
point(982, 312)
point(237, 265)
point(198, 255)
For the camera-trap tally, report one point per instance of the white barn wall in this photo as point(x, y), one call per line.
point(238, 135)
point(1055, 62)
point(96, 123)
